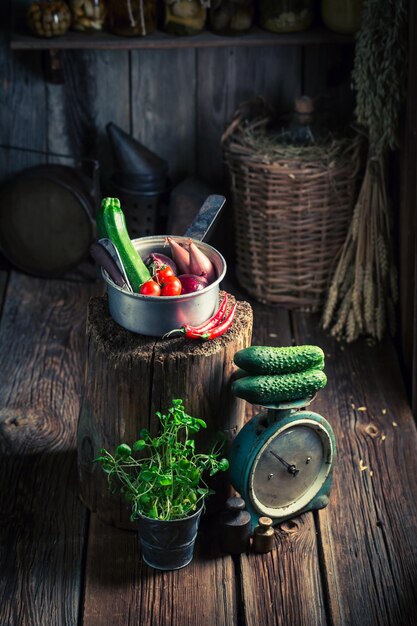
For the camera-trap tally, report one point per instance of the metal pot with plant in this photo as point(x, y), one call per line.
point(163, 479)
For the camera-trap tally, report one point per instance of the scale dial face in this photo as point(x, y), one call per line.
point(290, 468)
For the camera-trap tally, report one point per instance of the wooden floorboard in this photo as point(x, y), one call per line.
point(42, 522)
point(283, 587)
point(120, 585)
point(368, 533)
point(354, 563)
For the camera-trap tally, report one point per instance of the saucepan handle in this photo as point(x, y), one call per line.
point(205, 218)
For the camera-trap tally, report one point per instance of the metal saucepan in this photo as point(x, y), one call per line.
point(155, 316)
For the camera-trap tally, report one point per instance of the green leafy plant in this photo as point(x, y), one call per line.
point(162, 477)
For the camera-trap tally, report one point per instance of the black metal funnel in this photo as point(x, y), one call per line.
point(132, 158)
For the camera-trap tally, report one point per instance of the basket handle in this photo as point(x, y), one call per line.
point(256, 110)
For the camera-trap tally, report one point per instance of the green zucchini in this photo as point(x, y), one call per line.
point(267, 360)
point(273, 389)
point(112, 225)
point(101, 227)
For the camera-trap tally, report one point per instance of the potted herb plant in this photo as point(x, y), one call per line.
point(162, 478)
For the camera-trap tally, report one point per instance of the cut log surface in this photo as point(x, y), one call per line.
point(129, 377)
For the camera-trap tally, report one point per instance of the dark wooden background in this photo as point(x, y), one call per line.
point(178, 102)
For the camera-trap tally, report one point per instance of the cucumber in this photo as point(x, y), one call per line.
point(267, 360)
point(112, 224)
point(239, 373)
point(273, 389)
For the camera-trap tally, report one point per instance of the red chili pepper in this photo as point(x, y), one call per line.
point(210, 323)
point(218, 330)
point(199, 332)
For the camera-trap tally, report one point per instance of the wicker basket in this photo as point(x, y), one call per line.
point(291, 214)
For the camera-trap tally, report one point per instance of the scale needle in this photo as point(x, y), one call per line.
point(292, 469)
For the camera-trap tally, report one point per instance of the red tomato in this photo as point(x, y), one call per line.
point(161, 274)
point(171, 286)
point(150, 288)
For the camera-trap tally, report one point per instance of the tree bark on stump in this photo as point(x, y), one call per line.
point(129, 377)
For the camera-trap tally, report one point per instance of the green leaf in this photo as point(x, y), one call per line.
point(144, 433)
point(139, 445)
point(153, 513)
point(195, 477)
point(223, 465)
point(146, 475)
point(165, 482)
point(123, 451)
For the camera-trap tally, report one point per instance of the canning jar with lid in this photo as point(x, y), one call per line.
point(229, 17)
point(185, 17)
point(49, 18)
point(342, 16)
point(88, 15)
point(132, 17)
point(286, 16)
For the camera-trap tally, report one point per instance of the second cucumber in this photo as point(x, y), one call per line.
point(266, 390)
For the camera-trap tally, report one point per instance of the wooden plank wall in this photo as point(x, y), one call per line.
point(177, 102)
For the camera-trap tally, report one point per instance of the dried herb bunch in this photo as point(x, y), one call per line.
point(379, 73)
point(363, 292)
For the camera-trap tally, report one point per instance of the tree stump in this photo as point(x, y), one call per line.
point(129, 377)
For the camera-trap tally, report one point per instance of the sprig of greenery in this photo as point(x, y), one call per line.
point(380, 70)
point(162, 477)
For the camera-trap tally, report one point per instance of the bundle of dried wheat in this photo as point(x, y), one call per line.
point(364, 290)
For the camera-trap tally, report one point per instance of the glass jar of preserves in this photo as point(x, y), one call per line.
point(342, 16)
point(185, 17)
point(88, 15)
point(286, 16)
point(132, 17)
point(49, 18)
point(229, 17)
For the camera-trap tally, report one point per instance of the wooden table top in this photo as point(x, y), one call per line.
point(353, 563)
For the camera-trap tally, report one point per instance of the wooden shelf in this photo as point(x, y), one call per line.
point(160, 40)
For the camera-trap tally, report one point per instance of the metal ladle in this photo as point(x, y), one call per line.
point(114, 253)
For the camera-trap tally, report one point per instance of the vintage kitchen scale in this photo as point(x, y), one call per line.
point(282, 461)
